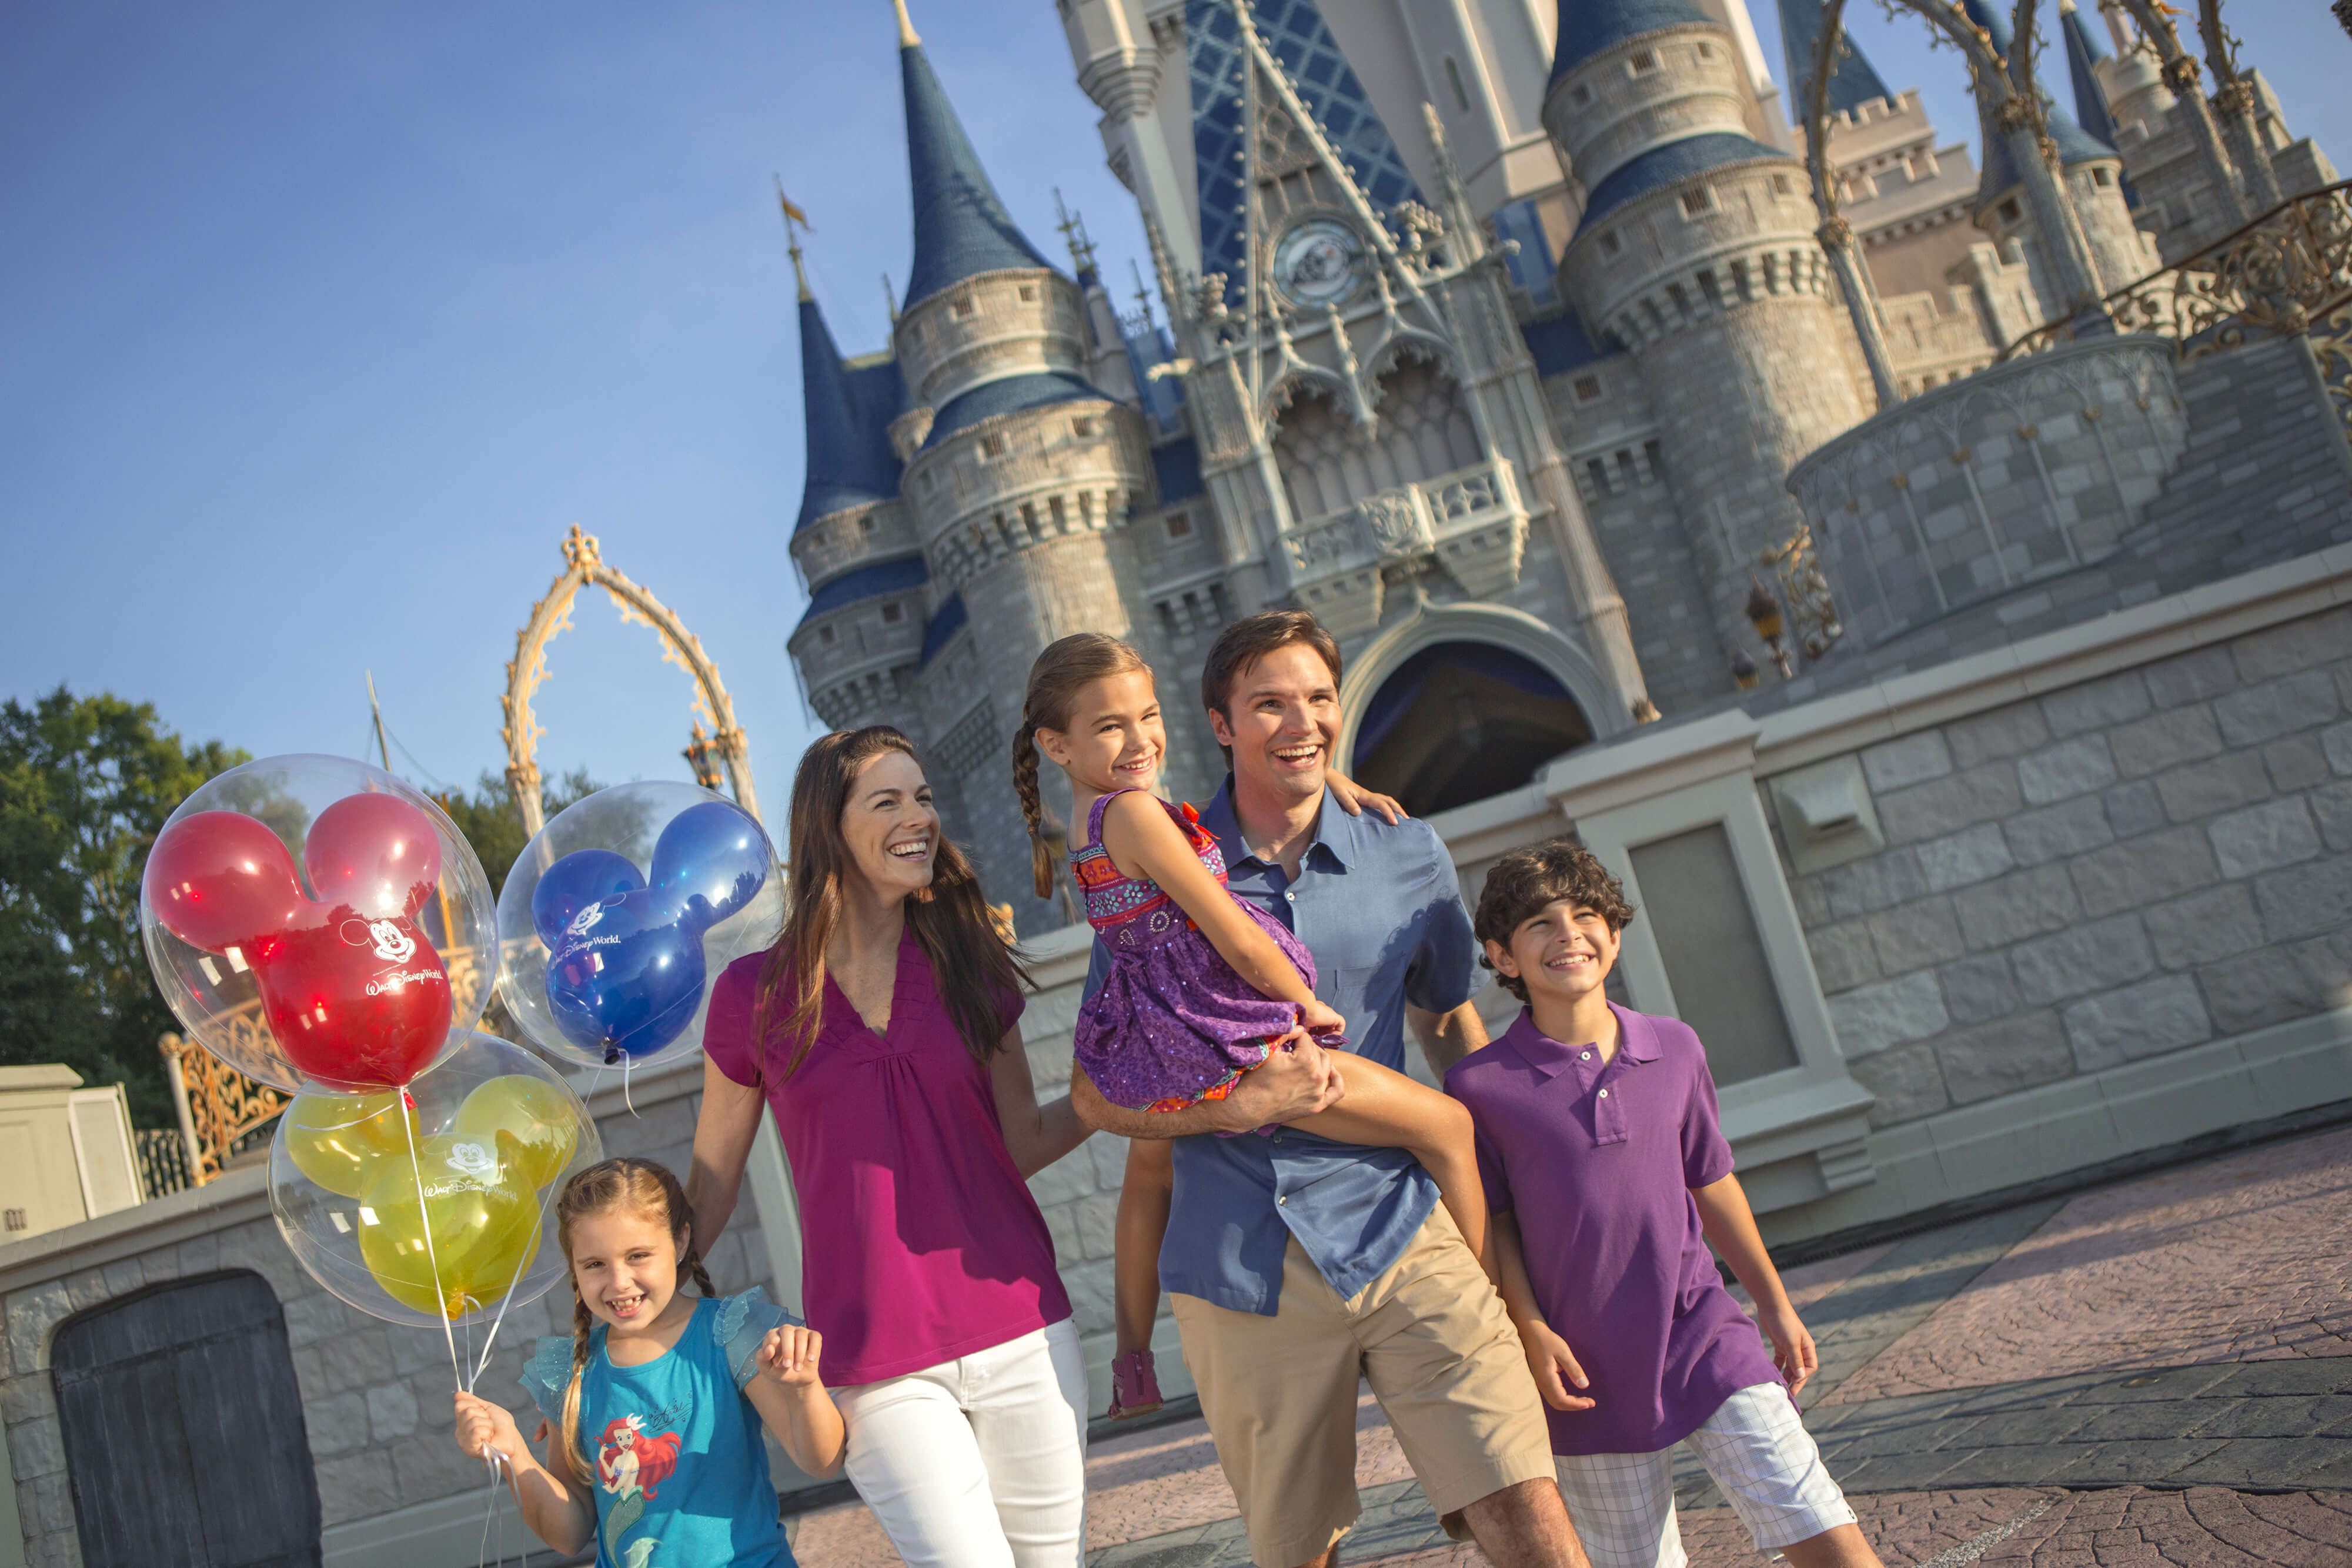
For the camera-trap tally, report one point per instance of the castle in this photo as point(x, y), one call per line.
point(1492, 343)
point(1953, 668)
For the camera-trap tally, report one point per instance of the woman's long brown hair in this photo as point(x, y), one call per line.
point(974, 966)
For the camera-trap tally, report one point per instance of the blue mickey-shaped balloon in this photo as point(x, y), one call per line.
point(712, 860)
point(625, 976)
point(572, 883)
point(624, 967)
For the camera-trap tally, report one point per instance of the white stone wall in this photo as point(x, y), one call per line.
point(2120, 869)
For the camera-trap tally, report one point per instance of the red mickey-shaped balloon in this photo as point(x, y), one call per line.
point(220, 879)
point(355, 994)
point(375, 852)
point(355, 1003)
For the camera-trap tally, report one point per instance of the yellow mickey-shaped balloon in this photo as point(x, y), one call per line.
point(338, 1140)
point(536, 1114)
point(478, 1210)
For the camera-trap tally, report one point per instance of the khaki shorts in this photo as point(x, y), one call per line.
point(1279, 1393)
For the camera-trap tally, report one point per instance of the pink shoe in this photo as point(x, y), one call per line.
point(1134, 1386)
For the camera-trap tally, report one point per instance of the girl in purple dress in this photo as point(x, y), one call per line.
point(1204, 985)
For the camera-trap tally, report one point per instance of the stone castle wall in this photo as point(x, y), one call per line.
point(2117, 872)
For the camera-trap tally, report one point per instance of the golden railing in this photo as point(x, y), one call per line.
point(218, 1104)
point(2287, 272)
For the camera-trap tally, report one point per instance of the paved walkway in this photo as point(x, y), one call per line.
point(2239, 1259)
point(2159, 1372)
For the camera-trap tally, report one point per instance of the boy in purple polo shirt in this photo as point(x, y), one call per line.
point(1608, 1175)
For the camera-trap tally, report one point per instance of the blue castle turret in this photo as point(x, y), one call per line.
point(1853, 81)
point(1695, 251)
point(2092, 180)
point(2091, 108)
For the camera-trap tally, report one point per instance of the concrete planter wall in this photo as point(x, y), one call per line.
point(2021, 471)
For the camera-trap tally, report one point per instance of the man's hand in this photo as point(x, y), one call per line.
point(1294, 1083)
point(1554, 1365)
point(1792, 1346)
point(789, 1355)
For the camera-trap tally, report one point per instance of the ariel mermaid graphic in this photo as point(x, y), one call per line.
point(632, 1464)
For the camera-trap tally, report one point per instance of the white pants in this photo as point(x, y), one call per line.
point(1757, 1448)
point(979, 1462)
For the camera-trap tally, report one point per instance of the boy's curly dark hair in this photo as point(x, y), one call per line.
point(1526, 880)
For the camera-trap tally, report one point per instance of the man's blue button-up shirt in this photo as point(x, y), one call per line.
point(1380, 910)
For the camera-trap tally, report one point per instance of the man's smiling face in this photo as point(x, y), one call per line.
point(1282, 722)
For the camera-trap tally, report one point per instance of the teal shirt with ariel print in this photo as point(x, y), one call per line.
point(680, 1473)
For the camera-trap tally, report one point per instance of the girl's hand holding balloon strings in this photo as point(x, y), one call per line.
point(484, 1428)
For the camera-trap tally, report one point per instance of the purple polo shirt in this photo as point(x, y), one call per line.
point(1597, 1162)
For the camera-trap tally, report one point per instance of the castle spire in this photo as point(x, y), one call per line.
point(2076, 145)
point(1853, 81)
point(960, 226)
point(848, 412)
point(2082, 52)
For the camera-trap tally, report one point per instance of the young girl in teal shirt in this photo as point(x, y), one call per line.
point(655, 1402)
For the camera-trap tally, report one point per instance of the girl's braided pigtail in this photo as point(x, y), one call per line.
point(1024, 784)
point(582, 1320)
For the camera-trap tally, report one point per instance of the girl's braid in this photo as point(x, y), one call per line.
point(582, 1320)
point(692, 1264)
point(1024, 784)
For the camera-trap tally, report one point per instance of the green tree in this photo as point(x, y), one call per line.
point(492, 824)
point(86, 784)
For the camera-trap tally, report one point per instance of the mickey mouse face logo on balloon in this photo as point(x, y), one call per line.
point(625, 968)
point(357, 997)
point(391, 943)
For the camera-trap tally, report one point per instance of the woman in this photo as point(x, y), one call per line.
point(881, 1030)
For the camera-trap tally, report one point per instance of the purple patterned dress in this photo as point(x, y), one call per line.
point(1173, 1024)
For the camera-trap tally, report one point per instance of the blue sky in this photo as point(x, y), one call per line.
point(322, 323)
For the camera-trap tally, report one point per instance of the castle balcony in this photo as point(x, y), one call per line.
point(1472, 522)
point(862, 635)
point(988, 327)
point(2025, 470)
point(1647, 92)
point(1688, 252)
point(855, 536)
point(1013, 482)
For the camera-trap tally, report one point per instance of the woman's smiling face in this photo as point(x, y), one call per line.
point(889, 827)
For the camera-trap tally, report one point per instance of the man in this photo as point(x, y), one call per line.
point(1298, 1264)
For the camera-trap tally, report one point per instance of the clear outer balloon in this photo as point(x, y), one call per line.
point(498, 1133)
point(618, 917)
point(350, 893)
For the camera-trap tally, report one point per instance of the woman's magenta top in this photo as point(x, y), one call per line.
point(919, 1242)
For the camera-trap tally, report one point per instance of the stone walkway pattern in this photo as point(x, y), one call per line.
point(2155, 1373)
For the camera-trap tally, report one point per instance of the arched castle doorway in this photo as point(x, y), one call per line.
point(1461, 702)
point(1460, 721)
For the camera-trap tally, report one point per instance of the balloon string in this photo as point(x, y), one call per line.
point(482, 1551)
point(531, 1249)
point(625, 1086)
point(448, 1335)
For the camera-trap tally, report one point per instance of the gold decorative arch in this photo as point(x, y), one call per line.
point(583, 566)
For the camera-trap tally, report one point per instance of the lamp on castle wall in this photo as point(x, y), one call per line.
point(1764, 614)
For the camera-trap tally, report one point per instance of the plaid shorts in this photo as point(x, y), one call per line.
point(1757, 1448)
